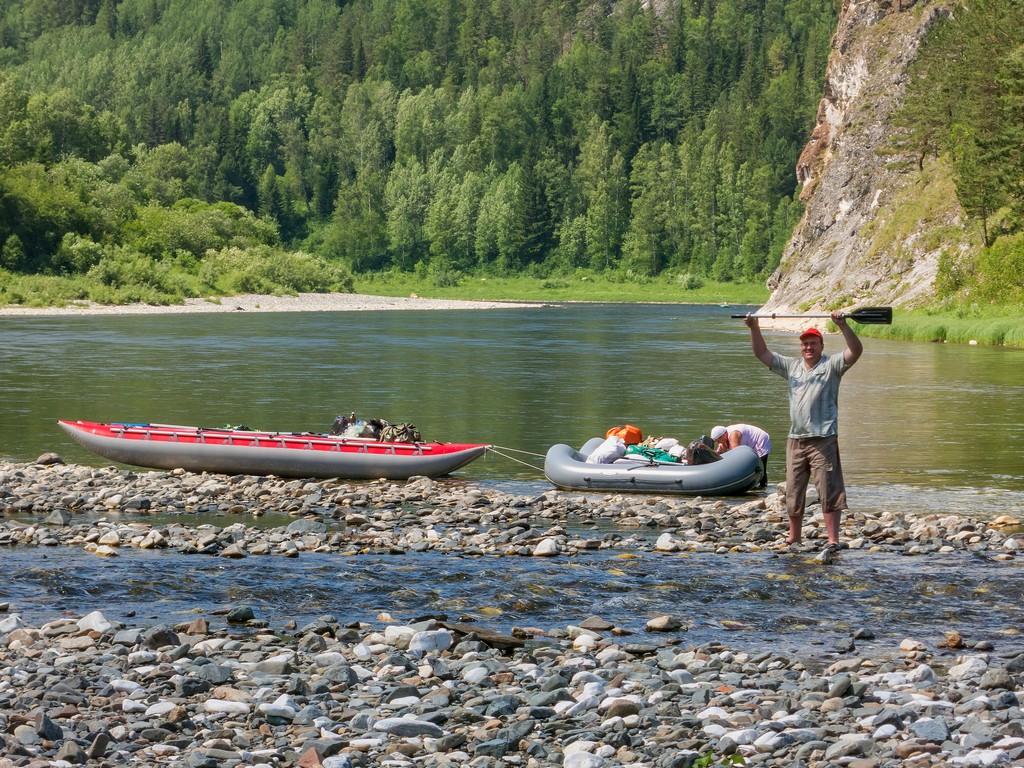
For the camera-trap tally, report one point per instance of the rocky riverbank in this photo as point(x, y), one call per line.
point(228, 689)
point(82, 690)
point(52, 503)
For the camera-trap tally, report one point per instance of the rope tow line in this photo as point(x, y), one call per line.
point(494, 449)
point(516, 450)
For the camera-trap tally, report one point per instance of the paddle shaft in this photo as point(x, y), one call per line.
point(866, 315)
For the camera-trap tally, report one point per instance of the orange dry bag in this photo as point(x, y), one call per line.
point(632, 435)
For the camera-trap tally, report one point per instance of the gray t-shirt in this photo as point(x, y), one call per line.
point(813, 394)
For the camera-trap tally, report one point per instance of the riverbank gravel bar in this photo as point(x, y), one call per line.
point(300, 302)
point(423, 691)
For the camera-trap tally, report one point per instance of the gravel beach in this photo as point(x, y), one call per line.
point(303, 302)
point(227, 689)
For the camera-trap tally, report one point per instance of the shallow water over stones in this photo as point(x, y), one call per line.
point(180, 542)
point(786, 602)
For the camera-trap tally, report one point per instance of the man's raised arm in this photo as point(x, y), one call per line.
point(757, 343)
point(854, 347)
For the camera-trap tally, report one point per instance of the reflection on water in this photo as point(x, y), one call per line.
point(744, 600)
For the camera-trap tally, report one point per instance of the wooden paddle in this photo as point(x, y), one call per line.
point(864, 315)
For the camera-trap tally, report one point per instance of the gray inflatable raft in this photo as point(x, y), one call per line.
point(737, 472)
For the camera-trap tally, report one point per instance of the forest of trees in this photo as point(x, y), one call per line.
point(453, 136)
point(965, 104)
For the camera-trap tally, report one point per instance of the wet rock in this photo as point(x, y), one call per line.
point(664, 624)
point(59, 517)
point(240, 615)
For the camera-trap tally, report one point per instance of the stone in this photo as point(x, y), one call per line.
point(59, 517)
point(583, 760)
point(94, 622)
point(397, 726)
point(47, 729)
point(664, 624)
point(969, 667)
point(71, 752)
point(930, 729)
point(305, 525)
point(241, 614)
point(548, 547)
point(850, 747)
point(995, 679)
point(430, 641)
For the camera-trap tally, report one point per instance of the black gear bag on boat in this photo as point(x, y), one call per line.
point(700, 453)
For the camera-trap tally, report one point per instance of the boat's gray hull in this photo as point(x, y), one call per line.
point(283, 462)
point(737, 472)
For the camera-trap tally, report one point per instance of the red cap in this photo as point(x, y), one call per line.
point(811, 332)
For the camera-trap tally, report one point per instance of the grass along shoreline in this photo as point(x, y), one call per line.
point(682, 289)
point(988, 326)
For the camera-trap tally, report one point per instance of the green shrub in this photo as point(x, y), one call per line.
point(41, 290)
point(1001, 266)
point(196, 227)
point(77, 254)
point(268, 270)
point(689, 281)
point(954, 272)
point(446, 278)
point(12, 255)
point(441, 272)
point(131, 277)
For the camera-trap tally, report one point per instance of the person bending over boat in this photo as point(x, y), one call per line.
point(753, 437)
point(812, 448)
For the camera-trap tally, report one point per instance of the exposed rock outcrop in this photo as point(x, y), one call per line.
point(868, 235)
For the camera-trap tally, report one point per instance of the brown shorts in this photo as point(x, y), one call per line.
point(817, 459)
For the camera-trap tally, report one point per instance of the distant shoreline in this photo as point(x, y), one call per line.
point(303, 302)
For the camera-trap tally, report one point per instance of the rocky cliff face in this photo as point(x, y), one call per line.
point(868, 235)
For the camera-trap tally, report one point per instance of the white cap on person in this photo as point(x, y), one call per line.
point(718, 432)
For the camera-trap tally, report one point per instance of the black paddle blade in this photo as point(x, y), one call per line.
point(872, 315)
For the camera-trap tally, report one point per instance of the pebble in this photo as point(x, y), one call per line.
point(421, 692)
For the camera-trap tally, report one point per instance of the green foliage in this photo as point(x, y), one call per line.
point(689, 281)
point(40, 290)
point(502, 137)
point(76, 254)
point(1000, 271)
point(267, 270)
point(136, 277)
point(709, 759)
point(194, 227)
point(963, 102)
point(954, 273)
point(443, 273)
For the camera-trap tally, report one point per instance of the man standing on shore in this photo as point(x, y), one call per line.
point(812, 450)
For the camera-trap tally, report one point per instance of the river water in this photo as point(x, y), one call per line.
point(925, 428)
